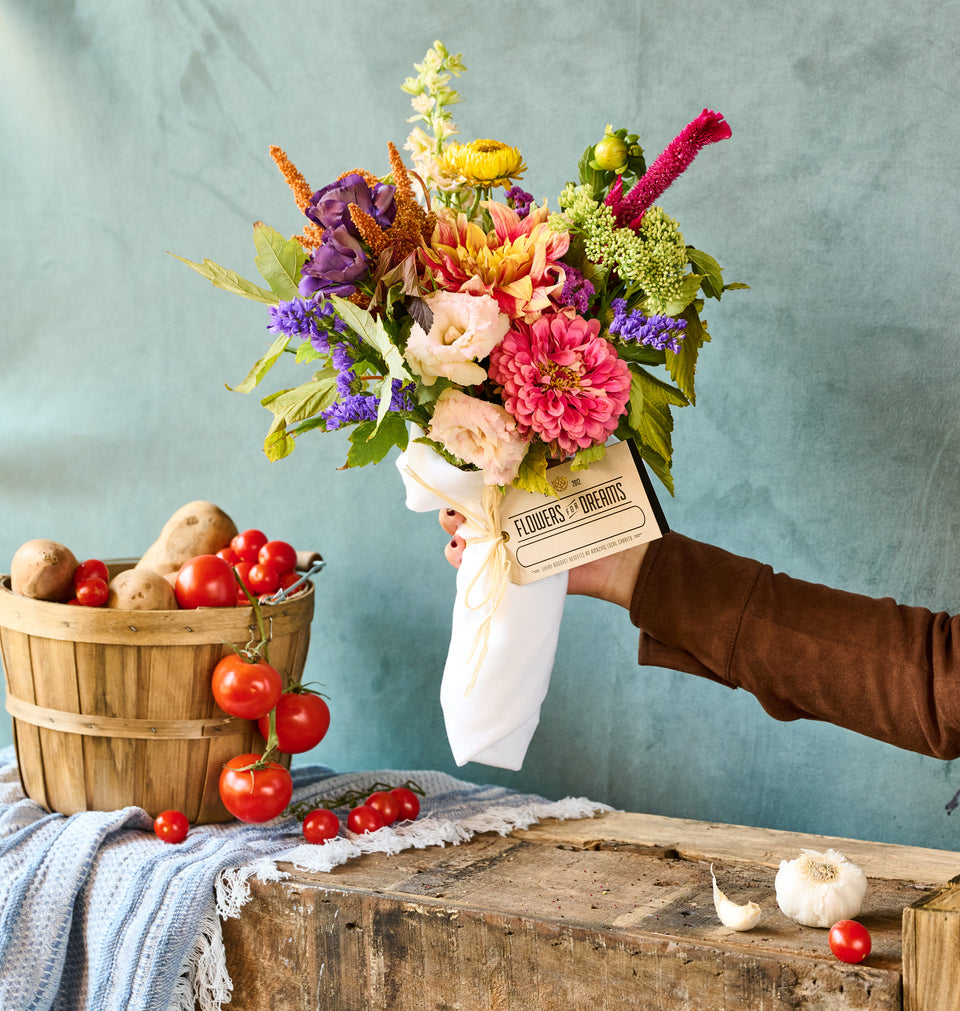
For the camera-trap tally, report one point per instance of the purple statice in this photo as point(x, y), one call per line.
point(343, 361)
point(310, 318)
point(520, 200)
point(350, 410)
point(658, 332)
point(577, 290)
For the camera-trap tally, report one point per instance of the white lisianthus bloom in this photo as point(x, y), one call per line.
point(465, 328)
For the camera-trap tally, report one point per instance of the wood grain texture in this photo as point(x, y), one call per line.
point(931, 951)
point(526, 922)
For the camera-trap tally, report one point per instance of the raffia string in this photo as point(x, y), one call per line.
point(496, 561)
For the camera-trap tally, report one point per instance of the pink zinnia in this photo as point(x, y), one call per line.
point(707, 128)
point(561, 380)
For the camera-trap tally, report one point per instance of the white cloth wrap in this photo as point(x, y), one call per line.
point(490, 709)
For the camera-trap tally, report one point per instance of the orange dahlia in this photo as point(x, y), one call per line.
point(517, 263)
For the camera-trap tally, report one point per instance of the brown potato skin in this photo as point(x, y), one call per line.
point(141, 590)
point(43, 569)
point(197, 528)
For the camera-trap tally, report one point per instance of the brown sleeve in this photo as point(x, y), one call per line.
point(805, 651)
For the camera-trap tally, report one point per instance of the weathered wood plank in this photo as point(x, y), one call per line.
point(522, 923)
point(931, 951)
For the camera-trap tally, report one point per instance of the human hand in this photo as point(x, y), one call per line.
point(611, 578)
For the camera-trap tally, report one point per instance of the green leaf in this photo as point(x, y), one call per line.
point(279, 260)
point(649, 412)
point(584, 457)
point(230, 281)
point(303, 401)
point(532, 475)
point(278, 444)
point(688, 292)
point(712, 279)
point(262, 366)
point(683, 366)
point(370, 442)
point(373, 333)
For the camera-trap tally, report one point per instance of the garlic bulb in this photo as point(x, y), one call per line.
point(732, 915)
point(817, 889)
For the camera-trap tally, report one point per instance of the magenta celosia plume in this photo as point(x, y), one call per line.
point(707, 128)
point(561, 380)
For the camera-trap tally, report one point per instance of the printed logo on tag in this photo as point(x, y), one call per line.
point(596, 512)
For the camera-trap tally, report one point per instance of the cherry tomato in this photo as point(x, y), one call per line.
point(254, 795)
point(281, 555)
point(386, 804)
point(228, 555)
point(263, 578)
point(408, 802)
point(289, 578)
point(302, 721)
point(205, 581)
point(171, 826)
point(850, 941)
point(92, 591)
point(364, 819)
point(247, 544)
point(91, 567)
point(243, 689)
point(320, 825)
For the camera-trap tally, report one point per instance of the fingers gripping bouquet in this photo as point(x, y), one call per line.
point(441, 310)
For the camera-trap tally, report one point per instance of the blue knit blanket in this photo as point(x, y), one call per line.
point(97, 913)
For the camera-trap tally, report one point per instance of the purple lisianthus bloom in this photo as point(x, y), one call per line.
point(335, 265)
point(330, 207)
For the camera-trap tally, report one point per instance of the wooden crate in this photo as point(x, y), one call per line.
point(605, 913)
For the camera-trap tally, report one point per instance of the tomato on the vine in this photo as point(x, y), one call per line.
point(242, 569)
point(206, 581)
point(320, 825)
point(171, 826)
point(850, 941)
point(408, 803)
point(247, 544)
point(387, 805)
point(281, 555)
point(92, 591)
point(91, 567)
point(302, 720)
point(254, 794)
point(364, 819)
point(245, 689)
point(228, 555)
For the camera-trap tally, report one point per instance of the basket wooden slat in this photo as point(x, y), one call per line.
point(129, 671)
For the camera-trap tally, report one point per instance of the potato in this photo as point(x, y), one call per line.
point(43, 570)
point(197, 528)
point(141, 590)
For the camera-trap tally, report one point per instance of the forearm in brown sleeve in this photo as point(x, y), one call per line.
point(805, 651)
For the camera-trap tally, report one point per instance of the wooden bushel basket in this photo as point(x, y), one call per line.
point(114, 708)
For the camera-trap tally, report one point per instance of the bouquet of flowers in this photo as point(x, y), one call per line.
point(487, 337)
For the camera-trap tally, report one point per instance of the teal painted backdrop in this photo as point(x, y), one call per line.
point(826, 436)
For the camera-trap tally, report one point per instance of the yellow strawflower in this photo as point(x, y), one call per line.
point(483, 163)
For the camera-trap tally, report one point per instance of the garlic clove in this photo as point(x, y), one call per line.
point(731, 915)
point(817, 889)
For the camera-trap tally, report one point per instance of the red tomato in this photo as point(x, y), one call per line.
point(850, 941)
point(247, 544)
point(242, 569)
point(289, 578)
point(205, 581)
point(386, 804)
point(91, 567)
point(263, 578)
point(364, 819)
point(254, 795)
point(408, 801)
point(281, 555)
point(302, 721)
point(320, 825)
point(92, 591)
point(228, 555)
point(171, 826)
point(243, 689)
